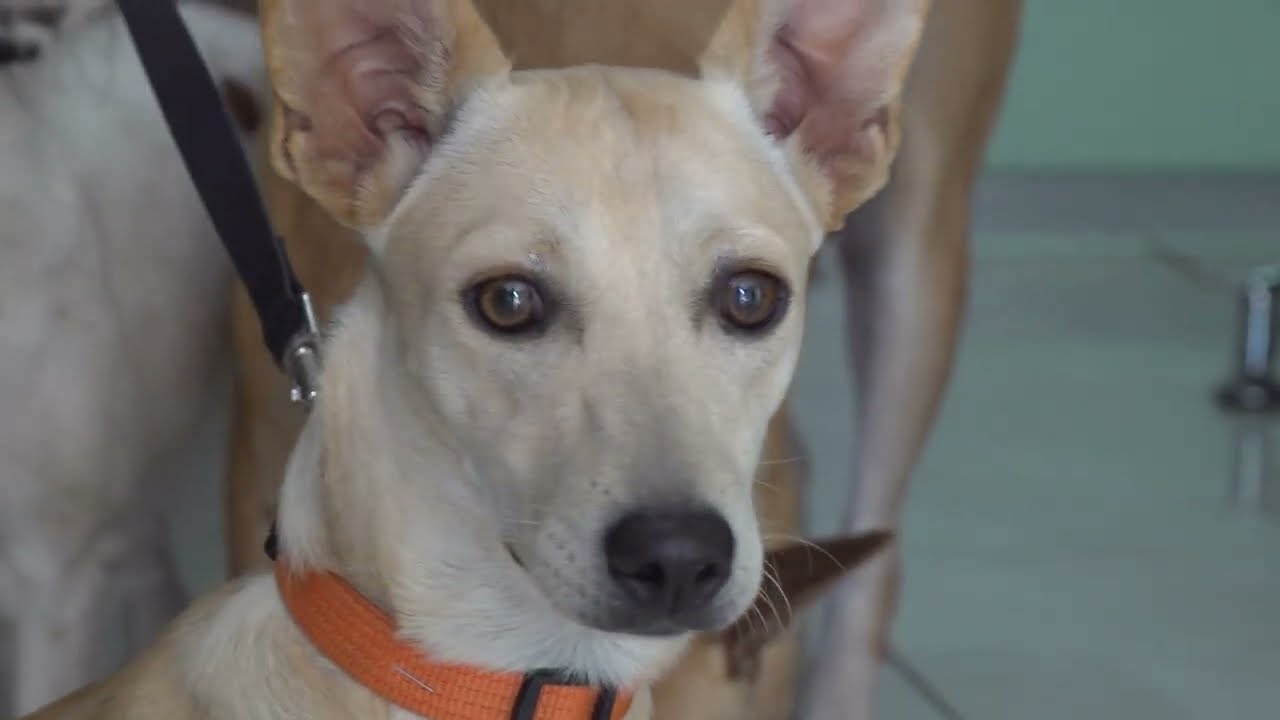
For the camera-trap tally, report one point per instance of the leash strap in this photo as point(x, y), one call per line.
point(193, 109)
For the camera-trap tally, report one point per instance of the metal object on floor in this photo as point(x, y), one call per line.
point(1255, 388)
point(1253, 481)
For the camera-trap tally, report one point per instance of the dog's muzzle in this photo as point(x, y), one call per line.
point(17, 46)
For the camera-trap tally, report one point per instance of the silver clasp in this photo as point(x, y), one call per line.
point(302, 359)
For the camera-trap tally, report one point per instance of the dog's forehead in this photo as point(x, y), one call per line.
point(642, 129)
point(657, 154)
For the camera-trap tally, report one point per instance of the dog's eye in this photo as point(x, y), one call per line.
point(508, 305)
point(751, 300)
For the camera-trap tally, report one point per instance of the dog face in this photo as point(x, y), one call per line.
point(50, 13)
point(28, 25)
point(595, 276)
point(607, 334)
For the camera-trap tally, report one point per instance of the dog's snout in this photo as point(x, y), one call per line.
point(670, 561)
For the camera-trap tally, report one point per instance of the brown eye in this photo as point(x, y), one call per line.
point(751, 300)
point(509, 305)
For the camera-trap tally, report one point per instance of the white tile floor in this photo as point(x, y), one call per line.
point(1073, 546)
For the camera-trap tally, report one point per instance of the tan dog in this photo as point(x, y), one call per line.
point(533, 448)
point(905, 256)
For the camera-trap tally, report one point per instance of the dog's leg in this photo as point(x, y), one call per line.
point(154, 594)
point(905, 257)
point(60, 607)
point(66, 591)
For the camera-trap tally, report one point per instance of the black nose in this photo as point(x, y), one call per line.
point(670, 561)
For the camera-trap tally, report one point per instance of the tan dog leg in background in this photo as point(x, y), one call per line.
point(905, 257)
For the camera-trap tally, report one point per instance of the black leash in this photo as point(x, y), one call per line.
point(206, 139)
point(193, 109)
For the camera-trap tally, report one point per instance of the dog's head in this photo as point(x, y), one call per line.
point(26, 26)
point(595, 276)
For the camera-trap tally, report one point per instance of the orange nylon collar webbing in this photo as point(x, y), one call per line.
point(361, 640)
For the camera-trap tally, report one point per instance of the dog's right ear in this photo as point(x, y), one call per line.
point(797, 575)
point(363, 89)
point(825, 79)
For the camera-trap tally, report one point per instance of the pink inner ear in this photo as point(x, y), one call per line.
point(829, 86)
point(813, 99)
point(796, 93)
point(379, 75)
point(811, 53)
point(366, 84)
point(840, 63)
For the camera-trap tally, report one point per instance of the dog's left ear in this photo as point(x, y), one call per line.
point(242, 104)
point(797, 576)
point(825, 77)
point(364, 90)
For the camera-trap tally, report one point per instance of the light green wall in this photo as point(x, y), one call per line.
point(1135, 85)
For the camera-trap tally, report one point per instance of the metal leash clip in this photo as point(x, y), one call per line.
point(302, 358)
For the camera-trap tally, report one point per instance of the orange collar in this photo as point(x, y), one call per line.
point(361, 640)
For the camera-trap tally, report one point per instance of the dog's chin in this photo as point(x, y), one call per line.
point(664, 627)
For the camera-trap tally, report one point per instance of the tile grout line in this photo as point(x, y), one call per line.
point(928, 691)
